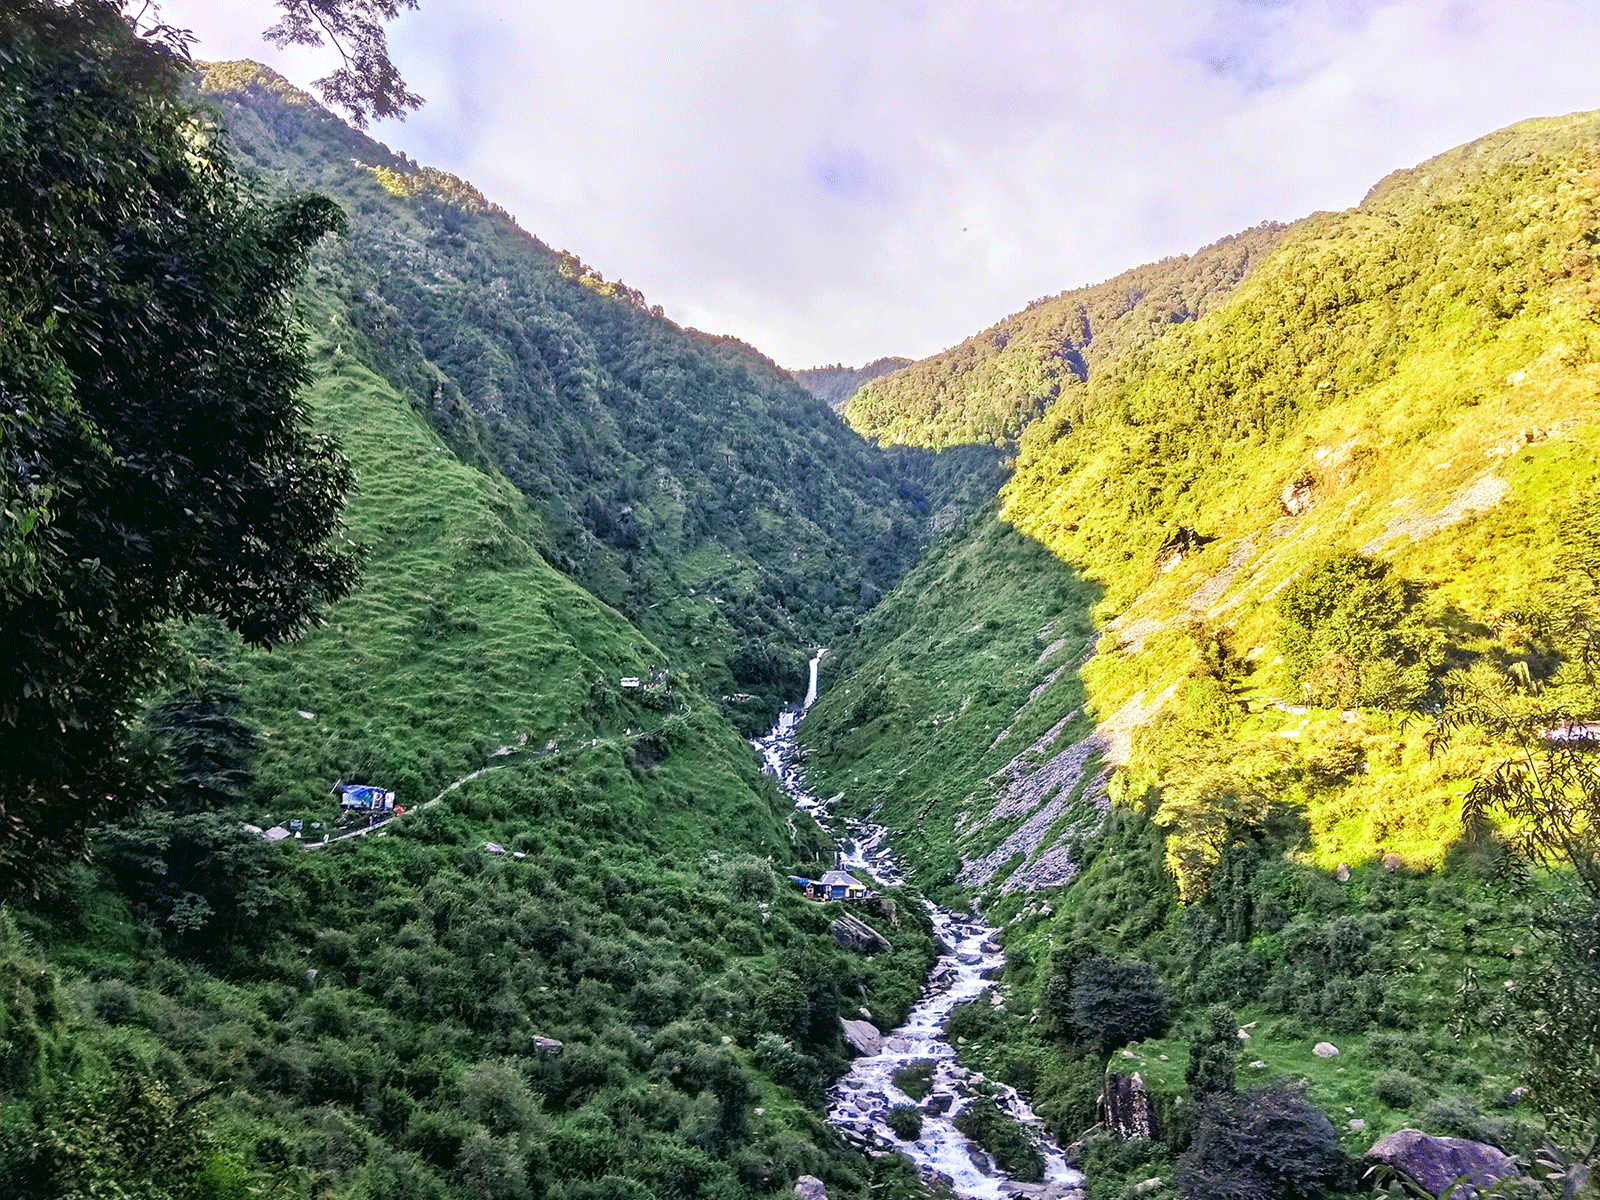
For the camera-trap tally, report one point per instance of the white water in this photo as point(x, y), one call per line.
point(858, 1103)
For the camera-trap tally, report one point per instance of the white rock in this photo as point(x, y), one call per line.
point(1325, 1050)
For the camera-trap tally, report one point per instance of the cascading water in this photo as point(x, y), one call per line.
point(860, 1101)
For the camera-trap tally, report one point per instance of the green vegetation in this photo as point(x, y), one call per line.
point(1336, 534)
point(681, 478)
point(836, 384)
point(992, 385)
point(156, 464)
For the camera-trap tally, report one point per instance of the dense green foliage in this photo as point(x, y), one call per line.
point(836, 384)
point(682, 478)
point(1351, 634)
point(1356, 489)
point(991, 385)
point(156, 464)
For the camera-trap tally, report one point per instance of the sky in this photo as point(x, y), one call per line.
point(840, 180)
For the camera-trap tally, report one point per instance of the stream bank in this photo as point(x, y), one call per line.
point(859, 1103)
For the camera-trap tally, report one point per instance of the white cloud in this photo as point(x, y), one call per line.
point(841, 179)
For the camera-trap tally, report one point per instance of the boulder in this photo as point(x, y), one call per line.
point(1343, 873)
point(1325, 1050)
point(939, 1103)
point(863, 1037)
point(1298, 495)
point(1434, 1163)
point(852, 933)
point(809, 1187)
point(1126, 1108)
point(546, 1045)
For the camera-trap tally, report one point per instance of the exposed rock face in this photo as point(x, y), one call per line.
point(863, 1037)
point(809, 1187)
point(852, 933)
point(1126, 1108)
point(1296, 497)
point(1434, 1163)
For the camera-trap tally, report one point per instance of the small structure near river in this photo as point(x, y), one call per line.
point(834, 885)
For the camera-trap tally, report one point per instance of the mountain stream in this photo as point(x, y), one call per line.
point(858, 1103)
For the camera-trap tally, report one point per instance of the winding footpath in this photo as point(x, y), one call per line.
point(858, 1103)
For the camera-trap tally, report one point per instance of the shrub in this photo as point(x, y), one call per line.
point(1013, 1151)
point(1117, 1001)
point(1265, 1145)
point(906, 1121)
point(915, 1079)
point(1399, 1090)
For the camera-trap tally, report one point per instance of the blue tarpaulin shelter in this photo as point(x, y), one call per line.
point(365, 797)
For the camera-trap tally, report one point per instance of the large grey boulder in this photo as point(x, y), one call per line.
point(863, 1037)
point(1434, 1163)
point(852, 933)
point(809, 1187)
point(1127, 1109)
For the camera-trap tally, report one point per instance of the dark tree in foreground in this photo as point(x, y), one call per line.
point(368, 85)
point(156, 462)
point(1116, 1001)
point(1266, 1145)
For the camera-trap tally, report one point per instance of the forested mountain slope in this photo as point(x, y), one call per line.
point(682, 477)
point(573, 974)
point(1267, 596)
point(990, 386)
point(571, 968)
point(836, 384)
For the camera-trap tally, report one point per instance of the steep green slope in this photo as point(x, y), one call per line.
point(681, 477)
point(625, 1002)
point(1369, 464)
point(991, 385)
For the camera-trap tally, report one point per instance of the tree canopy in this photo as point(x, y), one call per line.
point(157, 463)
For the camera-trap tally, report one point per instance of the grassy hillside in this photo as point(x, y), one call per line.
point(683, 478)
point(1238, 572)
point(624, 1003)
point(993, 384)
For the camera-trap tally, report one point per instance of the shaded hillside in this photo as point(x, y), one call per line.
point(836, 384)
point(991, 385)
point(681, 477)
point(573, 974)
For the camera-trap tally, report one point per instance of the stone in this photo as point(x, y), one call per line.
point(1147, 1185)
point(1127, 1109)
point(809, 1187)
point(990, 947)
point(852, 933)
point(547, 1045)
point(1342, 874)
point(1258, 1065)
point(1325, 1050)
point(1393, 862)
point(493, 848)
point(863, 1037)
point(1355, 1123)
point(939, 1103)
point(1434, 1163)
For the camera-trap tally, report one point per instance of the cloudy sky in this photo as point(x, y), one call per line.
point(837, 180)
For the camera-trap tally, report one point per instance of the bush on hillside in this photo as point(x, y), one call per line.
point(1352, 632)
point(1117, 1001)
point(1269, 1144)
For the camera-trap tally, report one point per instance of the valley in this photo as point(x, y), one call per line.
point(1195, 641)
